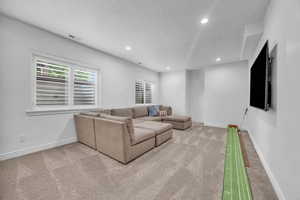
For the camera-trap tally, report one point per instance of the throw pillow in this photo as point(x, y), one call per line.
point(166, 108)
point(153, 110)
point(163, 113)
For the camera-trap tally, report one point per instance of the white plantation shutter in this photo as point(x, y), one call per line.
point(148, 92)
point(63, 85)
point(52, 82)
point(139, 92)
point(84, 91)
point(143, 92)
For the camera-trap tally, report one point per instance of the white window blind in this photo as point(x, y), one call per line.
point(143, 92)
point(84, 87)
point(52, 82)
point(148, 92)
point(63, 85)
point(139, 92)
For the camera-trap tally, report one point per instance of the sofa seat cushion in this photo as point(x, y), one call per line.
point(142, 134)
point(143, 119)
point(138, 120)
point(158, 127)
point(123, 112)
point(177, 118)
point(140, 111)
point(154, 118)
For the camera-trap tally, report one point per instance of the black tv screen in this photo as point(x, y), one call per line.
point(260, 86)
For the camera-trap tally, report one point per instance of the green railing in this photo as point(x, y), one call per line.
point(236, 184)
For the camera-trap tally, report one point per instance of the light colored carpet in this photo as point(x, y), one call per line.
point(190, 166)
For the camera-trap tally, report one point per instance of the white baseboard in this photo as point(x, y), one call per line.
point(29, 150)
point(272, 178)
point(214, 125)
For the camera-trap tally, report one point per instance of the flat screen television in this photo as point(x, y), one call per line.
point(260, 80)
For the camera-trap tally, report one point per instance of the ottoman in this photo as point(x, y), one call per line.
point(163, 131)
point(178, 122)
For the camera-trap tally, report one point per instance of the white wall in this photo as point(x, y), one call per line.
point(18, 41)
point(276, 132)
point(173, 90)
point(225, 94)
point(216, 95)
point(196, 85)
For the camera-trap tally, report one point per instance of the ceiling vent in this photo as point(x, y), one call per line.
point(71, 36)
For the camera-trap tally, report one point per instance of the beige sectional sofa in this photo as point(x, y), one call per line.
point(126, 133)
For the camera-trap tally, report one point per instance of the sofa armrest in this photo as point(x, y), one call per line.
point(112, 138)
point(85, 130)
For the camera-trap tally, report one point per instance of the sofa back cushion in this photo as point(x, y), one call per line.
point(104, 111)
point(127, 120)
point(140, 111)
point(166, 108)
point(90, 114)
point(153, 110)
point(123, 112)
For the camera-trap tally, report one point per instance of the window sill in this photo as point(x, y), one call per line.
point(39, 112)
point(145, 104)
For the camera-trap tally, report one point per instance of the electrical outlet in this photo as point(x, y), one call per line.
point(22, 139)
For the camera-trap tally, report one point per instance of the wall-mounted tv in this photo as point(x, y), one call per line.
point(260, 80)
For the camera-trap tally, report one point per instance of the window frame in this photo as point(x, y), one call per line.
point(72, 65)
point(144, 92)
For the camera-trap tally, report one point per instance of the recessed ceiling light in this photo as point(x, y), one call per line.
point(168, 68)
point(204, 20)
point(218, 59)
point(128, 48)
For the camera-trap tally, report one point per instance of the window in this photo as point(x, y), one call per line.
point(143, 92)
point(139, 92)
point(148, 92)
point(84, 87)
point(63, 85)
point(52, 82)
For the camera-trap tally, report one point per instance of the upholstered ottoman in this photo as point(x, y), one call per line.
point(163, 131)
point(178, 122)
